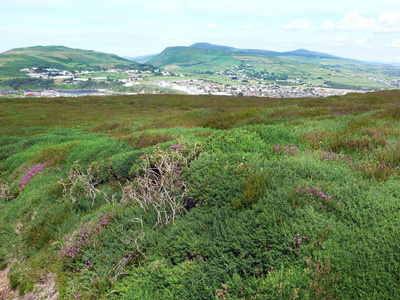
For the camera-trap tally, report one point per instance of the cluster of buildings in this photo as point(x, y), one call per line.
point(272, 90)
point(391, 83)
point(281, 88)
point(75, 77)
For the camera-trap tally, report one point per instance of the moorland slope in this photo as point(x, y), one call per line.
point(202, 197)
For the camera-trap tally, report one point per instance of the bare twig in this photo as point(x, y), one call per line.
point(5, 191)
point(160, 186)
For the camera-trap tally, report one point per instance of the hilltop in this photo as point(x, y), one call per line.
point(298, 52)
point(59, 57)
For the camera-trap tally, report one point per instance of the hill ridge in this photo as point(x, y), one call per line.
point(60, 57)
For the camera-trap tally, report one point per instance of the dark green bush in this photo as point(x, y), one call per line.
point(253, 188)
point(21, 277)
point(56, 221)
point(3, 260)
point(217, 179)
point(123, 162)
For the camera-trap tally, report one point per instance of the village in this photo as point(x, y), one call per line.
point(272, 90)
point(134, 80)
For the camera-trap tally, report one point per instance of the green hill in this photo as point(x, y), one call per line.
point(187, 58)
point(316, 68)
point(59, 57)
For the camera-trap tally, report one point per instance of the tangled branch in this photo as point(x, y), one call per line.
point(160, 186)
point(75, 177)
point(5, 191)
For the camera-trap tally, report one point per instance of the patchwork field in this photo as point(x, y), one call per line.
point(201, 197)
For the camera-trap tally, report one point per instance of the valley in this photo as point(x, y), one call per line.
point(199, 69)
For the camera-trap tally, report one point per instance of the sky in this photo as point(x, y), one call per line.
point(364, 30)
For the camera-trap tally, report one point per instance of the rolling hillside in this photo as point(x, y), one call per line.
point(59, 57)
point(316, 68)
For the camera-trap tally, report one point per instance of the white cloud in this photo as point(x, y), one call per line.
point(39, 3)
point(248, 26)
point(298, 25)
point(339, 41)
point(340, 38)
point(360, 41)
point(353, 21)
point(171, 5)
point(389, 21)
point(328, 26)
point(172, 36)
point(395, 44)
point(212, 26)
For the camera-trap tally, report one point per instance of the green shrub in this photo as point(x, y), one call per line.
point(3, 260)
point(280, 134)
point(22, 278)
point(217, 179)
point(54, 222)
point(237, 140)
point(253, 188)
point(56, 154)
point(123, 162)
point(147, 139)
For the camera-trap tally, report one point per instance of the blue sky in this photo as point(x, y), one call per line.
point(365, 30)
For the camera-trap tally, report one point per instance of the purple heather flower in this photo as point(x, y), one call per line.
point(175, 147)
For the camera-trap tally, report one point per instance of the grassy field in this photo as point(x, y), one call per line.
point(113, 76)
point(201, 197)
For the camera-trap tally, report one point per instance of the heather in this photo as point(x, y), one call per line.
point(202, 197)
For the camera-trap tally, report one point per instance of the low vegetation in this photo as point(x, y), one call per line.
point(202, 197)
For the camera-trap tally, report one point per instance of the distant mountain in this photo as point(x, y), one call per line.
point(203, 56)
point(300, 66)
point(141, 59)
point(184, 57)
point(59, 57)
point(299, 52)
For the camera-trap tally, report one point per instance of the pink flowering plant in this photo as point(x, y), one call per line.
point(28, 173)
point(86, 268)
point(370, 169)
point(377, 171)
point(87, 238)
point(329, 155)
point(314, 195)
point(285, 149)
point(18, 172)
point(304, 244)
